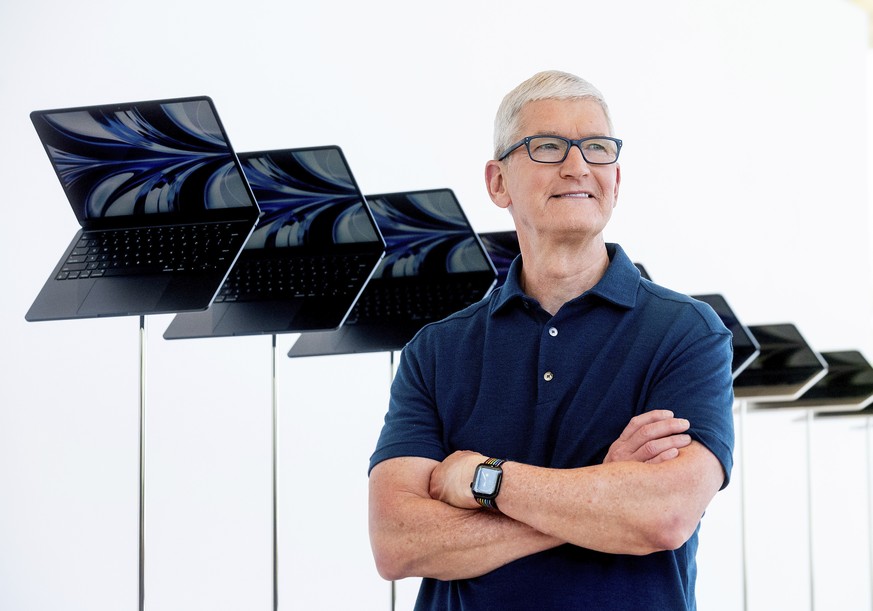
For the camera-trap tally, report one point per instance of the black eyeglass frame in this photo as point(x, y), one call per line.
point(570, 144)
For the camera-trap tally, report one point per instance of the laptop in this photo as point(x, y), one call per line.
point(746, 347)
point(162, 203)
point(435, 266)
point(785, 368)
point(847, 385)
point(314, 250)
point(502, 248)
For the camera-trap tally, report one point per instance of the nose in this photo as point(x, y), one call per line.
point(575, 164)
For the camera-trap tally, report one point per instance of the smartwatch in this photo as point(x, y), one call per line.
point(486, 482)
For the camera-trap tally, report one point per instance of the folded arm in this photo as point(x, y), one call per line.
point(424, 521)
point(621, 507)
point(415, 535)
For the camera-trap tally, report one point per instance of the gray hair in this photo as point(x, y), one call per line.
point(548, 85)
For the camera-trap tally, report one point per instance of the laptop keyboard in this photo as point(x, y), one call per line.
point(175, 248)
point(414, 301)
point(299, 276)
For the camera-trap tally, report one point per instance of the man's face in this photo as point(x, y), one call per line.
point(570, 200)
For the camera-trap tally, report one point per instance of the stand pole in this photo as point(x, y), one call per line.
point(744, 533)
point(142, 458)
point(870, 501)
point(809, 417)
point(275, 467)
point(393, 583)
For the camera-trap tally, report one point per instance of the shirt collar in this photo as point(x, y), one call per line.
point(618, 285)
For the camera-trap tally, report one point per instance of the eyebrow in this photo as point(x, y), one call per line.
point(554, 133)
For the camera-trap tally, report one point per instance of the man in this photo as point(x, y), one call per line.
point(608, 397)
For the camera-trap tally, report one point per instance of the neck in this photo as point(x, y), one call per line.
point(553, 274)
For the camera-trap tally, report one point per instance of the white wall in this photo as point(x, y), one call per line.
point(744, 172)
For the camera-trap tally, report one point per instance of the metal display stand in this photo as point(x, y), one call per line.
point(809, 517)
point(275, 468)
point(393, 372)
point(142, 458)
point(744, 536)
point(869, 441)
point(867, 415)
point(743, 414)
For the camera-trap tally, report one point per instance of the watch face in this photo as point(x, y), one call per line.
point(486, 480)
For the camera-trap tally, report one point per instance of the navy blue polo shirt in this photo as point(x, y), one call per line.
point(506, 379)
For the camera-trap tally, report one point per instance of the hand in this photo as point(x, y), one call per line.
point(450, 480)
point(652, 437)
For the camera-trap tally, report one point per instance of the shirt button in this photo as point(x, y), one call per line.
point(553, 331)
point(548, 376)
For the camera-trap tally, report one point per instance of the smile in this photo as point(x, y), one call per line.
point(575, 195)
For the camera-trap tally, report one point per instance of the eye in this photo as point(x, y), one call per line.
point(547, 149)
point(546, 146)
point(600, 150)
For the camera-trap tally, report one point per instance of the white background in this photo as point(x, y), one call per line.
point(745, 172)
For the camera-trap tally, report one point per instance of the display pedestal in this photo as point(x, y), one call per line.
point(392, 372)
point(274, 392)
point(142, 458)
point(744, 537)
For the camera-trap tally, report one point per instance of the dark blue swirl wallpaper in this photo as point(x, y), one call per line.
point(147, 158)
point(307, 198)
point(425, 233)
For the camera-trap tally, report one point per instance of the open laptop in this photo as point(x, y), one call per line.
point(162, 202)
point(434, 267)
point(746, 347)
point(786, 367)
point(502, 248)
point(314, 250)
point(847, 385)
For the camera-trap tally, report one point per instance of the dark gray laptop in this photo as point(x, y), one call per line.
point(746, 347)
point(305, 265)
point(435, 265)
point(786, 367)
point(847, 385)
point(162, 202)
point(502, 247)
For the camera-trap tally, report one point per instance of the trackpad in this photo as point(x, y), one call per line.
point(249, 318)
point(124, 296)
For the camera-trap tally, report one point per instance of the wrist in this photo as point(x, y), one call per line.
point(487, 479)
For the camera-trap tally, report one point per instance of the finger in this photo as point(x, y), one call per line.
point(664, 456)
point(648, 433)
point(644, 419)
point(655, 448)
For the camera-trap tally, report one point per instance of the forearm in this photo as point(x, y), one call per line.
point(413, 535)
point(622, 507)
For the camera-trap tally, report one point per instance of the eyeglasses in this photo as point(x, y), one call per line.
point(596, 150)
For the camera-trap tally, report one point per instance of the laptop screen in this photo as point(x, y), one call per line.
point(166, 157)
point(502, 247)
point(785, 359)
point(426, 235)
point(849, 376)
point(744, 343)
point(308, 198)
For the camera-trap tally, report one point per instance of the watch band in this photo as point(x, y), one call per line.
point(490, 503)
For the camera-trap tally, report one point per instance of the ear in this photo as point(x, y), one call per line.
point(617, 183)
point(495, 181)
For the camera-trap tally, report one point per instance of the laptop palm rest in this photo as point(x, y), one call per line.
point(111, 295)
point(258, 317)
